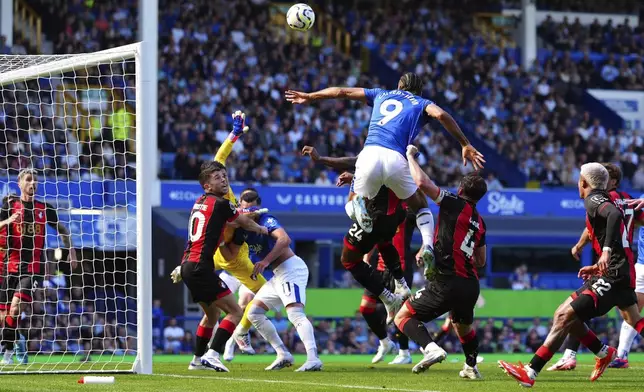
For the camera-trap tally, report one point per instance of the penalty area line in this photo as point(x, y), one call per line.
point(315, 384)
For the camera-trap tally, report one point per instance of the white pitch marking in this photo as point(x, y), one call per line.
point(315, 384)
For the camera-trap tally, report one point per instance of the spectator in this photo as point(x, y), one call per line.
point(520, 280)
point(173, 336)
point(493, 183)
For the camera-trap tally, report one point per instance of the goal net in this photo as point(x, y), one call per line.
point(68, 133)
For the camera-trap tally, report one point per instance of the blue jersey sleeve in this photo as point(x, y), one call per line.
point(270, 222)
point(426, 102)
point(371, 94)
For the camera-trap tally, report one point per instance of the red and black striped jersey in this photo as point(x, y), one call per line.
point(600, 209)
point(206, 226)
point(460, 230)
point(25, 237)
point(630, 215)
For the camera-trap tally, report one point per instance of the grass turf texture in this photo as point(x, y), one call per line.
point(341, 373)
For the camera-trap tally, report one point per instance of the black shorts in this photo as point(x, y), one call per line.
point(384, 230)
point(21, 286)
point(446, 294)
point(599, 295)
point(203, 282)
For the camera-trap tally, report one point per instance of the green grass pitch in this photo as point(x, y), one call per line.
point(341, 373)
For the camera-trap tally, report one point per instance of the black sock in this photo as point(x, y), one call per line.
point(203, 338)
point(572, 343)
point(368, 277)
point(540, 358)
point(403, 340)
point(417, 332)
point(376, 320)
point(9, 332)
point(392, 260)
point(438, 336)
point(470, 344)
point(223, 333)
point(591, 341)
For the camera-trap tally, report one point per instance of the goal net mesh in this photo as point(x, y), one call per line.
point(74, 126)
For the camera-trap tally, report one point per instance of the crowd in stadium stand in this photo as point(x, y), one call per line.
point(211, 64)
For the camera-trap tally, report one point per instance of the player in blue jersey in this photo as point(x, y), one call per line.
point(397, 117)
point(286, 288)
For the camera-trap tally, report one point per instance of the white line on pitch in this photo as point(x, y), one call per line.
point(314, 384)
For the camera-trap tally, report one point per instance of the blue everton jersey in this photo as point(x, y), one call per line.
point(396, 118)
point(260, 245)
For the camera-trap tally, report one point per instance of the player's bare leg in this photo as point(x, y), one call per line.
point(565, 321)
point(229, 352)
point(227, 304)
point(425, 223)
point(569, 359)
point(416, 331)
point(11, 325)
point(368, 277)
point(627, 335)
point(470, 343)
point(257, 316)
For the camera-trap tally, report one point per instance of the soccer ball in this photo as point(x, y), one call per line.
point(300, 17)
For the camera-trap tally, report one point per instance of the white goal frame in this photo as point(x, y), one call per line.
point(145, 180)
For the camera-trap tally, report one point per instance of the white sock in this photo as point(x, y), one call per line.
point(196, 359)
point(240, 330)
point(425, 223)
point(386, 296)
point(212, 353)
point(603, 352)
point(304, 329)
point(383, 341)
point(570, 354)
point(403, 352)
point(626, 336)
point(257, 316)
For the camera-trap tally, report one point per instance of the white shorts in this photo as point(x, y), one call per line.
point(377, 166)
point(234, 284)
point(287, 286)
point(639, 278)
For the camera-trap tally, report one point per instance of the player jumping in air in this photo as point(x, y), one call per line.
point(25, 243)
point(286, 288)
point(627, 334)
point(208, 219)
point(396, 119)
point(460, 250)
point(607, 284)
point(393, 279)
point(232, 258)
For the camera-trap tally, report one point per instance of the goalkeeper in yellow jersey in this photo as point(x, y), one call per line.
point(232, 257)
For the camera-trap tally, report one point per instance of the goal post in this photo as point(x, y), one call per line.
point(79, 121)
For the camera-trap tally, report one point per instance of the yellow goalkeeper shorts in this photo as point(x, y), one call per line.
point(241, 268)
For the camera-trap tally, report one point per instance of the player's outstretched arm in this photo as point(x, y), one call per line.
point(613, 216)
point(468, 152)
point(420, 177)
point(352, 93)
point(583, 241)
point(248, 224)
point(344, 163)
point(239, 128)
